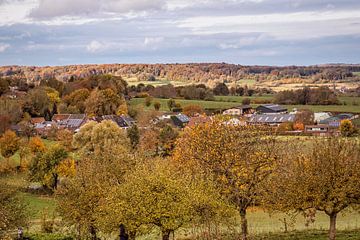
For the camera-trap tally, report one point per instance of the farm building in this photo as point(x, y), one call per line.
point(319, 130)
point(180, 120)
point(71, 122)
point(121, 121)
point(272, 119)
point(271, 109)
point(321, 116)
point(238, 111)
point(336, 120)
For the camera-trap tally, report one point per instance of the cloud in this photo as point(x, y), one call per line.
point(153, 42)
point(290, 26)
point(4, 46)
point(48, 9)
point(96, 46)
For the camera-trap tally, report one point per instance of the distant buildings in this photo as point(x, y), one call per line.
point(271, 109)
point(239, 111)
point(271, 119)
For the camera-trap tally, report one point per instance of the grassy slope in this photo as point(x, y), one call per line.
point(223, 102)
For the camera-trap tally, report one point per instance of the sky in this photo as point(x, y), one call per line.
point(247, 32)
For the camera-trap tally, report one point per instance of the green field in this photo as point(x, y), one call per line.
point(356, 73)
point(224, 102)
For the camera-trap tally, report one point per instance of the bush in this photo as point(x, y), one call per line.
point(246, 101)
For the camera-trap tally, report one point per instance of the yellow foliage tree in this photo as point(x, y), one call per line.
point(9, 144)
point(238, 158)
point(324, 176)
point(157, 193)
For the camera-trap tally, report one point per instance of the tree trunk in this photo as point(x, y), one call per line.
point(332, 230)
point(244, 225)
point(122, 233)
point(166, 234)
point(93, 233)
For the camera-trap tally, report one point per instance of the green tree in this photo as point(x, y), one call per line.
point(44, 167)
point(4, 86)
point(324, 176)
point(239, 159)
point(171, 103)
point(134, 136)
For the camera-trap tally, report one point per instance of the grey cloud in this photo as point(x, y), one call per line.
point(48, 9)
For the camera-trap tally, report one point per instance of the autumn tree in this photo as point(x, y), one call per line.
point(36, 145)
point(12, 211)
point(167, 137)
point(44, 167)
point(246, 101)
point(193, 110)
point(157, 106)
point(9, 144)
point(148, 101)
point(157, 194)
point(77, 99)
point(347, 128)
point(323, 176)
point(37, 101)
point(134, 135)
point(221, 89)
point(98, 169)
point(171, 103)
point(4, 86)
point(238, 158)
point(305, 117)
point(103, 102)
point(96, 138)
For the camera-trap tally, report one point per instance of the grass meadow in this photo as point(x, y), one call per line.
point(349, 104)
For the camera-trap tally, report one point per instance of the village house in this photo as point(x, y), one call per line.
point(320, 130)
point(122, 121)
point(335, 121)
point(180, 120)
point(271, 109)
point(239, 110)
point(271, 119)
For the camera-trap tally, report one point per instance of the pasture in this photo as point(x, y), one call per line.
point(349, 104)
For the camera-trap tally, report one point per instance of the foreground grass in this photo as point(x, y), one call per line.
point(308, 235)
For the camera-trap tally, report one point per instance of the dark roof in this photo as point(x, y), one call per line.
point(343, 116)
point(269, 119)
point(119, 120)
point(274, 107)
point(60, 117)
point(182, 118)
point(76, 116)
